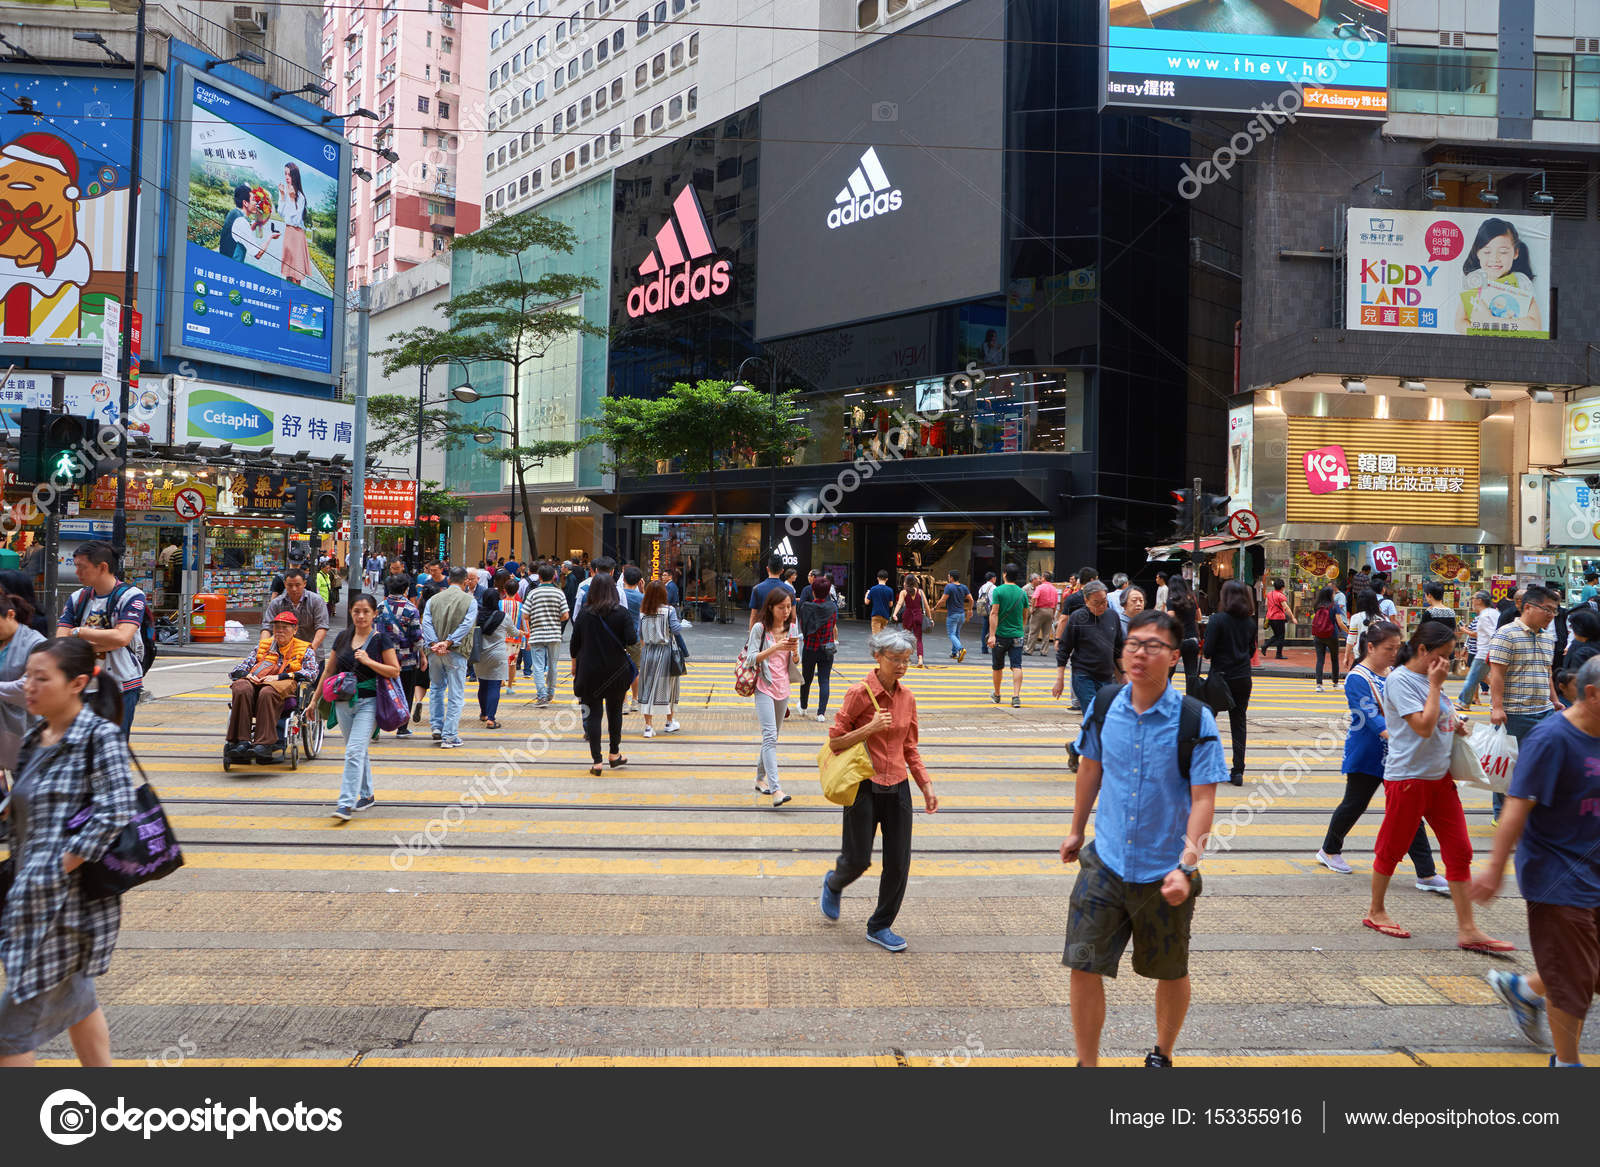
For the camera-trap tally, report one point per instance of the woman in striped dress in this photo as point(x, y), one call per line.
point(658, 688)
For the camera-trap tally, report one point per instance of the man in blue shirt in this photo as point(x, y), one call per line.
point(673, 594)
point(880, 602)
point(1551, 818)
point(605, 565)
point(633, 597)
point(758, 594)
point(1140, 876)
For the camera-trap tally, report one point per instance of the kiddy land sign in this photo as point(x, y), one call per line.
point(1362, 470)
point(1448, 273)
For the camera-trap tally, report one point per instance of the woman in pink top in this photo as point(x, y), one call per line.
point(1278, 615)
point(771, 647)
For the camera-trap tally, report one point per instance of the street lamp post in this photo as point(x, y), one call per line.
point(119, 522)
point(772, 461)
point(469, 395)
point(462, 393)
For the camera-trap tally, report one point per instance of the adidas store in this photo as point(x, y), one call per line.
point(950, 275)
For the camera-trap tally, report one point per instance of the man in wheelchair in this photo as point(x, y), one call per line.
point(262, 682)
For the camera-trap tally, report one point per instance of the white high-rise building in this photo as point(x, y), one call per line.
point(578, 87)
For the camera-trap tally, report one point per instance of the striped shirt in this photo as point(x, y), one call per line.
point(543, 611)
point(1526, 655)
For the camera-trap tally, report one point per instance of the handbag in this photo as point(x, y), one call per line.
point(745, 671)
point(1214, 692)
point(843, 773)
point(339, 687)
point(1497, 751)
point(633, 669)
point(393, 710)
point(143, 851)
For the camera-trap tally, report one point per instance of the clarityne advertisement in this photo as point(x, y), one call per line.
point(1450, 273)
point(262, 270)
point(1235, 57)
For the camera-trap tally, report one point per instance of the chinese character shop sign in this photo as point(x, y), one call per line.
point(391, 502)
point(1364, 470)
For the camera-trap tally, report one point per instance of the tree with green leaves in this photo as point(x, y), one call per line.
point(703, 427)
point(510, 321)
point(392, 426)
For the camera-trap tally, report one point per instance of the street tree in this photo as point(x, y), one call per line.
point(512, 309)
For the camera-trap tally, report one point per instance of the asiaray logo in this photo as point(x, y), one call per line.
point(697, 281)
point(868, 194)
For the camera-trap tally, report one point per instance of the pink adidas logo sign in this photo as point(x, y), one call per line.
point(683, 239)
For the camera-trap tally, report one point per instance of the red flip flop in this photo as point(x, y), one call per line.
point(1393, 930)
point(1489, 947)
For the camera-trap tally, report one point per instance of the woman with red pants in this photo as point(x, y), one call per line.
point(1417, 783)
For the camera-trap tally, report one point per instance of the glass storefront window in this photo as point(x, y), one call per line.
point(1309, 565)
point(1447, 81)
point(1552, 86)
point(687, 548)
point(241, 559)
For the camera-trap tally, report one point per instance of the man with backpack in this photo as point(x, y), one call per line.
point(1153, 759)
point(956, 601)
point(114, 619)
point(1091, 640)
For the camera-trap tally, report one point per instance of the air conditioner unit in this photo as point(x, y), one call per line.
point(249, 18)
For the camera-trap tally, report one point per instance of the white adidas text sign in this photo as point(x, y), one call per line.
point(919, 532)
point(785, 551)
point(869, 194)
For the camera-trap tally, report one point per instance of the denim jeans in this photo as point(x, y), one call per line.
point(1470, 690)
point(447, 689)
point(356, 725)
point(526, 657)
point(952, 625)
point(130, 702)
point(769, 712)
point(1084, 688)
point(489, 698)
point(546, 655)
point(1519, 726)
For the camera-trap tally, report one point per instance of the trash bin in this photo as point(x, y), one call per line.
point(208, 617)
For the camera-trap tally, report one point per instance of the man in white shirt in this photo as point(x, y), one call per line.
point(1483, 627)
point(980, 611)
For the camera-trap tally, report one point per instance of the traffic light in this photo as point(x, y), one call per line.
point(1214, 513)
point(1183, 516)
point(300, 508)
point(60, 448)
point(325, 518)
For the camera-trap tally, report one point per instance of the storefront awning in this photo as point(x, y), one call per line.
point(1215, 545)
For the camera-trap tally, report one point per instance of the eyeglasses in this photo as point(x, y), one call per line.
point(1148, 647)
point(1548, 611)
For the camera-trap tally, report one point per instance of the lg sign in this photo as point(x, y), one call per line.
point(696, 281)
point(1326, 470)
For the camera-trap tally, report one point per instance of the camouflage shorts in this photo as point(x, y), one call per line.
point(1105, 912)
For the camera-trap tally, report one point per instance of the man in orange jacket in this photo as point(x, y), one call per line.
point(262, 682)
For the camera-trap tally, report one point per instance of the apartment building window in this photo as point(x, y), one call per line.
point(602, 49)
point(661, 12)
point(538, 136)
point(488, 164)
point(541, 46)
point(658, 66)
point(438, 242)
point(380, 241)
point(691, 99)
point(422, 172)
point(599, 145)
point(1444, 81)
point(572, 116)
point(527, 142)
point(616, 138)
point(678, 6)
point(522, 185)
point(538, 91)
point(658, 118)
point(605, 6)
point(570, 164)
point(427, 72)
point(618, 39)
point(588, 59)
point(527, 97)
point(537, 178)
point(587, 108)
point(444, 76)
point(556, 123)
point(515, 147)
point(494, 119)
point(1552, 86)
point(583, 154)
point(572, 69)
point(1586, 89)
point(380, 209)
point(447, 44)
point(560, 79)
point(427, 40)
point(385, 175)
point(675, 107)
point(444, 109)
point(588, 10)
point(643, 25)
point(494, 38)
point(425, 139)
point(389, 12)
point(500, 156)
point(600, 98)
point(422, 103)
point(676, 57)
point(694, 46)
point(638, 128)
point(641, 77)
point(502, 113)
point(616, 89)
point(561, 31)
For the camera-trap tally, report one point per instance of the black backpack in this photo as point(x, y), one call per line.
point(1188, 723)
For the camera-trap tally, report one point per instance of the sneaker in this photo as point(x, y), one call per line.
point(822, 717)
point(830, 900)
point(403, 731)
point(341, 814)
point(1434, 883)
point(885, 938)
point(671, 727)
point(450, 743)
point(1016, 702)
point(961, 656)
point(1555, 1065)
point(995, 697)
point(779, 797)
point(763, 788)
point(1156, 1060)
point(437, 736)
point(1072, 763)
point(1319, 687)
point(1334, 863)
point(1527, 1011)
point(364, 803)
point(416, 712)
point(649, 731)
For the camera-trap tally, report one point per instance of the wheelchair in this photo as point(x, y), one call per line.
point(299, 731)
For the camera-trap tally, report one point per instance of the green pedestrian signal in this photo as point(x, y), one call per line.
point(326, 523)
point(325, 518)
point(64, 467)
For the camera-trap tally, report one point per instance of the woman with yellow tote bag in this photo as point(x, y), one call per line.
point(879, 717)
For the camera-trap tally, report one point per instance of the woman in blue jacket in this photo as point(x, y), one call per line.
point(1365, 748)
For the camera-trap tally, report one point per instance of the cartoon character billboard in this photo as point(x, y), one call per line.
point(63, 208)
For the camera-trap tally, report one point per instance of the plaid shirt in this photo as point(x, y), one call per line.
point(51, 929)
point(1526, 655)
point(829, 631)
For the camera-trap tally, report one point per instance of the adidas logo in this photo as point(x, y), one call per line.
point(868, 193)
point(785, 551)
point(919, 532)
point(683, 239)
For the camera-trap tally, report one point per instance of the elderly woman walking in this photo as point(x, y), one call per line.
point(72, 797)
point(881, 712)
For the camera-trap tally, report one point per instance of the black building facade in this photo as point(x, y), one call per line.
point(985, 290)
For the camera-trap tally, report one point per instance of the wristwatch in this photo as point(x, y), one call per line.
point(74, 632)
point(1189, 869)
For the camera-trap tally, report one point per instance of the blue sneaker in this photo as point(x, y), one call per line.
point(885, 938)
point(830, 900)
point(1527, 1010)
point(1555, 1065)
point(364, 803)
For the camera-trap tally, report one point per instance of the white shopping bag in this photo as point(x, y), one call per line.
point(1466, 763)
point(1497, 751)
